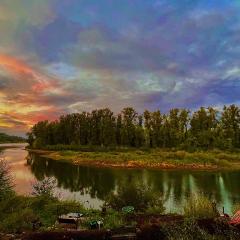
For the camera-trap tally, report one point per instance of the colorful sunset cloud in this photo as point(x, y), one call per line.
point(58, 57)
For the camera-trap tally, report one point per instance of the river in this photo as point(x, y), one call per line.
point(90, 185)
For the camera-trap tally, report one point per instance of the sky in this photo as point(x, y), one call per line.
point(59, 57)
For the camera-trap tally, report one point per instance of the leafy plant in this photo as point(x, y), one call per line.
point(45, 187)
point(6, 184)
point(140, 197)
point(198, 206)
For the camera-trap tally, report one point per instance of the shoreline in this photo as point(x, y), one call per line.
point(131, 161)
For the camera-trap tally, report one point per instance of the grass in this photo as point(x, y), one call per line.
point(18, 212)
point(153, 158)
point(198, 206)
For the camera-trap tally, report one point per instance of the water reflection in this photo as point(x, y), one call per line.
point(174, 186)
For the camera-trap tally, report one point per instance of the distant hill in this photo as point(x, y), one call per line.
point(5, 138)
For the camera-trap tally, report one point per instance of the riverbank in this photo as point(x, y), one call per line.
point(151, 158)
point(35, 218)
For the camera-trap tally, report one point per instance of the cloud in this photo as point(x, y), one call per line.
point(58, 57)
point(24, 91)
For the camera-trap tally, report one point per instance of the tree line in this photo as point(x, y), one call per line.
point(179, 128)
point(5, 138)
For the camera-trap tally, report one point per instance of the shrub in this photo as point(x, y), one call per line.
point(5, 181)
point(18, 221)
point(48, 208)
point(198, 206)
point(13, 204)
point(140, 197)
point(113, 219)
point(44, 188)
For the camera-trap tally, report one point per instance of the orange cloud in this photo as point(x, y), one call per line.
point(39, 81)
point(27, 95)
point(15, 65)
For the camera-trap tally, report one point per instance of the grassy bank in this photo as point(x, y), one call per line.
point(198, 222)
point(144, 158)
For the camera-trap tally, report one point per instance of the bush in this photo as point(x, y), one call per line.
point(18, 221)
point(5, 181)
point(140, 197)
point(113, 219)
point(198, 206)
point(13, 204)
point(44, 188)
point(49, 208)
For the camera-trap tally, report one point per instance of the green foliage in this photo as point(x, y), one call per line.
point(15, 214)
point(198, 206)
point(147, 157)
point(113, 219)
point(205, 128)
point(44, 188)
point(140, 197)
point(18, 221)
point(48, 209)
point(18, 212)
point(5, 138)
point(5, 181)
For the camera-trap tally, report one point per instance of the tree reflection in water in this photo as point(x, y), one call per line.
point(175, 186)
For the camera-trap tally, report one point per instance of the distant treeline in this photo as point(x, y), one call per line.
point(4, 138)
point(205, 128)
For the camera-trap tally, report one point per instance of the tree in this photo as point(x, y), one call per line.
point(129, 122)
point(230, 126)
point(203, 127)
point(6, 186)
point(156, 125)
point(139, 132)
point(119, 130)
point(148, 128)
point(39, 132)
point(30, 138)
point(183, 125)
point(107, 127)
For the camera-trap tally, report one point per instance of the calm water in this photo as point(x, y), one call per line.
point(90, 185)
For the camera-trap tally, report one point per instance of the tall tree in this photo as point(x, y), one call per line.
point(107, 127)
point(230, 126)
point(129, 120)
point(203, 127)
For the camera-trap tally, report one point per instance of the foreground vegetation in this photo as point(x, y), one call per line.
point(4, 138)
point(40, 211)
point(142, 158)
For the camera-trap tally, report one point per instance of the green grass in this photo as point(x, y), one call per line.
point(150, 158)
point(17, 212)
point(198, 206)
